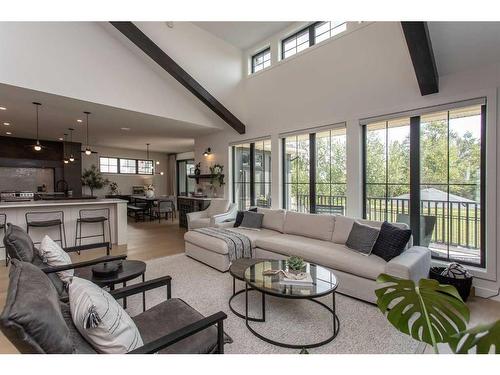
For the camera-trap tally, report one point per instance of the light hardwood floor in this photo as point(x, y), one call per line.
point(150, 240)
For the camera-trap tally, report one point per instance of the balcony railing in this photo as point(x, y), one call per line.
point(457, 224)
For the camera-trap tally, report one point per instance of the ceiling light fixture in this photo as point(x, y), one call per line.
point(6, 123)
point(3, 108)
point(207, 152)
point(37, 146)
point(157, 162)
point(79, 120)
point(65, 159)
point(71, 157)
point(88, 151)
point(61, 138)
point(8, 133)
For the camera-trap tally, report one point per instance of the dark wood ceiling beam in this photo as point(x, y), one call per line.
point(422, 56)
point(141, 40)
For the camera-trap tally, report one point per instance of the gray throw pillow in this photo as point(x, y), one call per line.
point(362, 238)
point(252, 220)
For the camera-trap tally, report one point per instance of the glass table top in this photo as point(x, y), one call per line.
point(323, 280)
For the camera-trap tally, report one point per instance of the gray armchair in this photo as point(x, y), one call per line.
point(18, 245)
point(44, 325)
point(218, 212)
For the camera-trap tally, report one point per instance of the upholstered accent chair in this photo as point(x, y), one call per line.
point(219, 211)
point(35, 320)
point(19, 245)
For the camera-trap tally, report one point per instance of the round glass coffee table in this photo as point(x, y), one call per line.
point(323, 283)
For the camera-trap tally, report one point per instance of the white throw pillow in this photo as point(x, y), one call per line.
point(101, 320)
point(53, 255)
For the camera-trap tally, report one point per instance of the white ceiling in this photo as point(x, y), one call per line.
point(464, 45)
point(59, 113)
point(243, 35)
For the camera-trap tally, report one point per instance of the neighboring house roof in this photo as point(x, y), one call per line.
point(433, 194)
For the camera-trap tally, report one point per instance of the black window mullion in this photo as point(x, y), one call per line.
point(283, 171)
point(363, 177)
point(415, 178)
point(234, 172)
point(312, 173)
point(482, 209)
point(252, 174)
point(312, 39)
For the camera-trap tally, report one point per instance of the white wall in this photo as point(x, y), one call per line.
point(360, 74)
point(92, 61)
point(125, 182)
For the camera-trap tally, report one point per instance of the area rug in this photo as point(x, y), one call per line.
point(363, 328)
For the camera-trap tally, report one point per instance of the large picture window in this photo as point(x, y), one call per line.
point(428, 170)
point(252, 174)
point(314, 172)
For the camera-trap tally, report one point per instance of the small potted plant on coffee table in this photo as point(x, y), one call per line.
point(296, 265)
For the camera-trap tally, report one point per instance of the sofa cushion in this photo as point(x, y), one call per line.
point(217, 207)
point(362, 238)
point(32, 318)
point(19, 244)
point(391, 242)
point(273, 219)
point(219, 246)
point(325, 253)
point(252, 220)
point(171, 315)
point(309, 225)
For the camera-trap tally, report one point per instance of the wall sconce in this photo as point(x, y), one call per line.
point(207, 152)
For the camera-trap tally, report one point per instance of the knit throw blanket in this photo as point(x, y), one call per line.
point(238, 245)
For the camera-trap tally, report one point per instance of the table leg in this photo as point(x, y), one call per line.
point(334, 314)
point(234, 286)
point(125, 298)
point(143, 296)
point(246, 303)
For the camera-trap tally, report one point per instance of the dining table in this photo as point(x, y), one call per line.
point(150, 202)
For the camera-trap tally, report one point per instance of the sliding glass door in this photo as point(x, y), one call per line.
point(428, 171)
point(185, 185)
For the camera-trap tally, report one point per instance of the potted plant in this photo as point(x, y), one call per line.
point(149, 191)
point(113, 188)
point(434, 313)
point(296, 265)
point(216, 176)
point(93, 179)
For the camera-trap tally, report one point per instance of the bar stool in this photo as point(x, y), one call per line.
point(46, 220)
point(93, 216)
point(3, 224)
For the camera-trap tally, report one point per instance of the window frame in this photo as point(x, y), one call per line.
point(251, 162)
point(415, 210)
point(312, 133)
point(263, 53)
point(311, 29)
point(119, 163)
point(109, 157)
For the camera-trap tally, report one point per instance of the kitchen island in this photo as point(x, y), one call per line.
point(16, 214)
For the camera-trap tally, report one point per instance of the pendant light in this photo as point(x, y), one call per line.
point(71, 156)
point(88, 150)
point(37, 147)
point(157, 162)
point(65, 159)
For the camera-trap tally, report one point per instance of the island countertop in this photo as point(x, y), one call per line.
point(60, 202)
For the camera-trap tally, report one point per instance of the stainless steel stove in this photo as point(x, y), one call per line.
point(16, 196)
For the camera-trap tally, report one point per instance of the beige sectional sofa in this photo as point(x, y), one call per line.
point(318, 239)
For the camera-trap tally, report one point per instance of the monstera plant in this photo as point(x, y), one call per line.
point(434, 313)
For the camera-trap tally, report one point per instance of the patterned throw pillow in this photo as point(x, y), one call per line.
point(101, 320)
point(362, 238)
point(391, 242)
point(239, 217)
point(53, 255)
